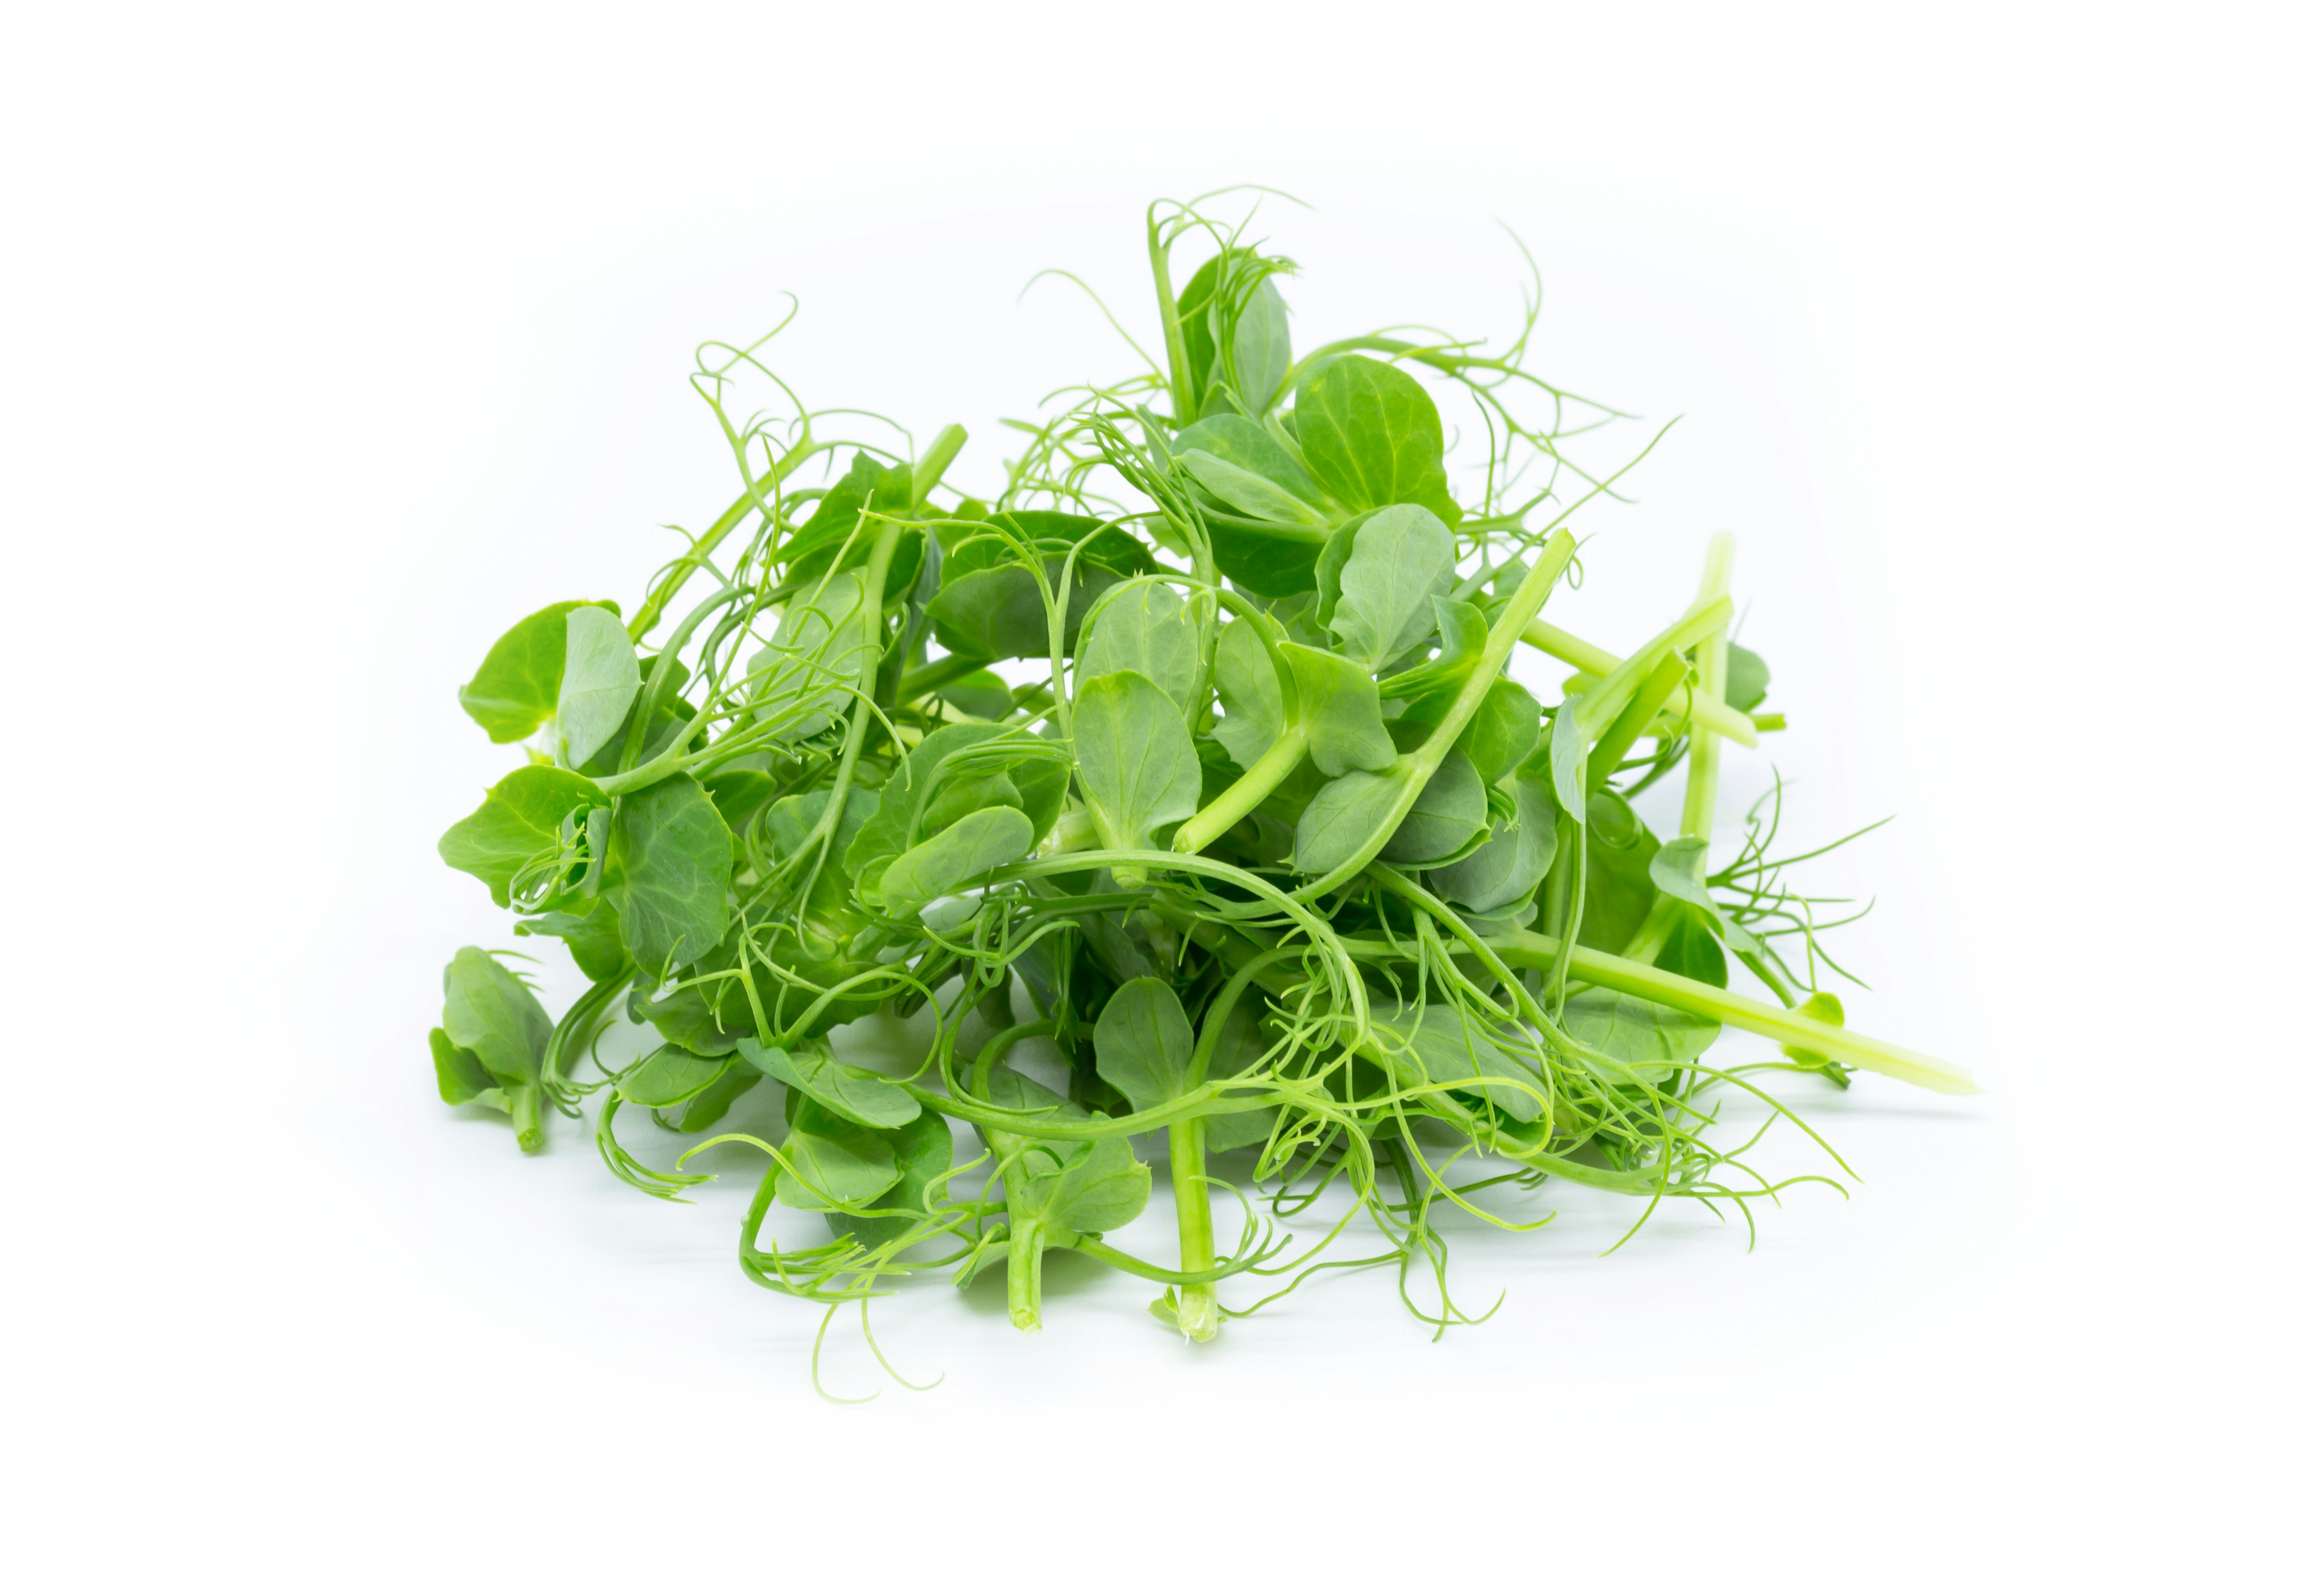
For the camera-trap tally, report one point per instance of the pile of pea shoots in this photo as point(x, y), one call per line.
point(1178, 797)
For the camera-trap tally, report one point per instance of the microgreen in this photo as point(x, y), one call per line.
point(1191, 754)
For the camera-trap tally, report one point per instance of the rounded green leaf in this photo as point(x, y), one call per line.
point(1137, 762)
point(856, 1093)
point(1371, 435)
point(489, 1013)
point(668, 871)
point(1340, 704)
point(1503, 731)
point(516, 825)
point(841, 1162)
point(600, 680)
point(1143, 626)
point(514, 692)
point(950, 860)
point(1638, 1040)
point(1144, 1043)
point(1250, 694)
point(1343, 818)
point(1399, 562)
point(671, 1075)
point(1512, 863)
point(1449, 811)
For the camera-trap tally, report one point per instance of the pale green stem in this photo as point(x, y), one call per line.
point(1524, 949)
point(1251, 789)
point(1198, 1306)
point(1593, 662)
point(525, 1111)
point(1025, 1246)
point(1702, 751)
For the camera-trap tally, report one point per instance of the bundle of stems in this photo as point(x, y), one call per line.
point(1183, 784)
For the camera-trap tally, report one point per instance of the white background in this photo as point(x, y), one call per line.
point(335, 340)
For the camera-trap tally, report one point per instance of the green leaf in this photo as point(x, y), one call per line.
point(1747, 678)
point(1262, 346)
point(965, 795)
point(739, 794)
point(518, 822)
point(667, 871)
point(1253, 453)
point(460, 1077)
point(1569, 759)
point(856, 1093)
point(1824, 1008)
point(1271, 516)
point(489, 1013)
point(1250, 694)
point(1093, 1187)
point(1340, 704)
point(514, 692)
point(736, 1079)
point(1143, 626)
point(989, 605)
point(1400, 561)
point(923, 1149)
point(800, 681)
point(1502, 732)
point(1330, 562)
point(1250, 493)
point(1342, 818)
point(1373, 435)
point(1450, 810)
point(1510, 865)
point(947, 861)
point(1137, 762)
point(1641, 1041)
point(790, 822)
point(1619, 892)
point(839, 534)
point(980, 694)
point(842, 1162)
point(1437, 1044)
point(592, 936)
point(1144, 1043)
point(1693, 952)
point(600, 680)
point(915, 786)
point(671, 1075)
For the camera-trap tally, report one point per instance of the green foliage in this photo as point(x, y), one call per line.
point(524, 826)
point(513, 693)
point(668, 871)
point(1137, 763)
point(1257, 818)
point(599, 682)
point(1371, 436)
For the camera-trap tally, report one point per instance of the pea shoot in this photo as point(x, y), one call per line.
point(1190, 759)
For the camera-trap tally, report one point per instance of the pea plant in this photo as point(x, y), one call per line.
point(1182, 789)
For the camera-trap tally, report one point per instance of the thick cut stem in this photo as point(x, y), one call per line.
point(1198, 1306)
point(1025, 1246)
point(525, 1111)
